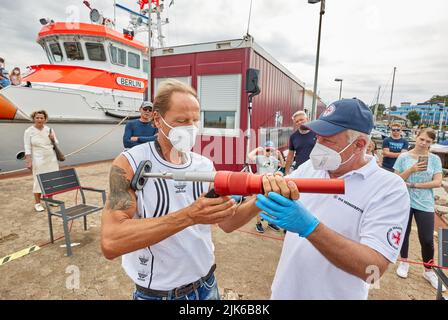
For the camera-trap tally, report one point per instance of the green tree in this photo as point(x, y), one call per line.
point(413, 116)
point(438, 99)
point(381, 108)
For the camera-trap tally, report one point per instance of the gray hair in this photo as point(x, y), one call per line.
point(352, 135)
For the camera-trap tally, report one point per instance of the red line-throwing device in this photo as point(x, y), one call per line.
point(228, 183)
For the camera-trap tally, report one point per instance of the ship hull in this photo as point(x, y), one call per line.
point(72, 136)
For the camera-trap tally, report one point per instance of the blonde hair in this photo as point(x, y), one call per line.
point(166, 90)
point(33, 115)
point(299, 113)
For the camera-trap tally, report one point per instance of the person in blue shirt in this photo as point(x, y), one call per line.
point(393, 146)
point(422, 172)
point(140, 130)
point(301, 142)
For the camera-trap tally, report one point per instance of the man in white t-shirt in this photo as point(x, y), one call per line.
point(336, 245)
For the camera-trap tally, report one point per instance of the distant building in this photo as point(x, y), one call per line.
point(429, 113)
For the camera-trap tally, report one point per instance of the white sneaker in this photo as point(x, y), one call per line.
point(38, 207)
point(402, 270)
point(432, 279)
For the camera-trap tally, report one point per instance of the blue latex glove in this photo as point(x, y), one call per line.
point(287, 214)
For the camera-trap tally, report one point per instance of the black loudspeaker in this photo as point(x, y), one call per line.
point(252, 81)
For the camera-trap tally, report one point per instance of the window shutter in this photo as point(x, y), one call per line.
point(220, 92)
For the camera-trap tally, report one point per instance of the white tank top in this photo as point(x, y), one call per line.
point(185, 256)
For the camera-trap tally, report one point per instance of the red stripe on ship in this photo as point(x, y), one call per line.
point(82, 76)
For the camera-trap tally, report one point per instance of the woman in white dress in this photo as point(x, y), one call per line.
point(39, 153)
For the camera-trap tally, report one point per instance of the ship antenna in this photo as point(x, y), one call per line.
point(248, 20)
point(115, 13)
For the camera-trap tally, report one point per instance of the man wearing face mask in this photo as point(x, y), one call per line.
point(163, 232)
point(336, 245)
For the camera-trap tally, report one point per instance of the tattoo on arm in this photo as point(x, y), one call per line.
point(119, 199)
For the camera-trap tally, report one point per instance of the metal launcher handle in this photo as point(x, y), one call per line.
point(244, 184)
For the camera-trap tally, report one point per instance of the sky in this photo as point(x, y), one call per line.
point(362, 40)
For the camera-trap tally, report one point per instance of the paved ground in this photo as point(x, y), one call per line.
point(246, 261)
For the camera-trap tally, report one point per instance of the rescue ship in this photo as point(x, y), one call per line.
point(94, 78)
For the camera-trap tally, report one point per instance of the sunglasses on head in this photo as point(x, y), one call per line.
point(396, 130)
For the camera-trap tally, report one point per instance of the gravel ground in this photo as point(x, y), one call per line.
point(246, 260)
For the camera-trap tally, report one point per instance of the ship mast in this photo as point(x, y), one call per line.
point(391, 94)
point(141, 22)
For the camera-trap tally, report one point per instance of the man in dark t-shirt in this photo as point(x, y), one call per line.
point(301, 143)
point(393, 146)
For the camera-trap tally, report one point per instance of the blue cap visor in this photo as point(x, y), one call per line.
point(323, 128)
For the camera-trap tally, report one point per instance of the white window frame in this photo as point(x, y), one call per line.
point(138, 60)
point(145, 63)
point(86, 43)
point(51, 52)
point(117, 62)
point(78, 45)
point(234, 133)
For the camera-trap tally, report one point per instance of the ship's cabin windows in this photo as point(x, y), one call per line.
point(56, 52)
point(145, 66)
point(95, 51)
point(117, 55)
point(47, 52)
point(73, 51)
point(133, 60)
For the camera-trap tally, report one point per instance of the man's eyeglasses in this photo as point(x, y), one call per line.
point(146, 109)
point(396, 130)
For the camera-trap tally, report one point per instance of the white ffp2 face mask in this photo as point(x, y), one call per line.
point(182, 138)
point(324, 158)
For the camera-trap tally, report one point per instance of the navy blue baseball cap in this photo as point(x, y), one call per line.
point(342, 115)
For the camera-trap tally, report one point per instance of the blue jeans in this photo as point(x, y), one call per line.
point(4, 83)
point(207, 291)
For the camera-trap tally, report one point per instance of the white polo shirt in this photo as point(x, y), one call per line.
point(373, 211)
